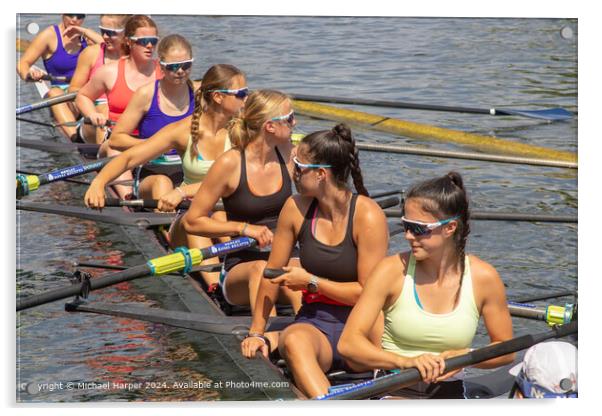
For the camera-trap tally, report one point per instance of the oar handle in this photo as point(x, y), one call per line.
point(142, 203)
point(272, 273)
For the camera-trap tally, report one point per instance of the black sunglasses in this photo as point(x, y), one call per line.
point(76, 16)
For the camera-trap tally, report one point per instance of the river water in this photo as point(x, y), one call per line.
point(513, 63)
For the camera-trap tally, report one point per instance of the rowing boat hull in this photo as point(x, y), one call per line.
point(180, 297)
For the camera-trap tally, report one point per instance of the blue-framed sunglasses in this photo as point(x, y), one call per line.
point(175, 66)
point(422, 228)
point(300, 166)
point(289, 118)
point(109, 32)
point(145, 40)
point(239, 93)
point(76, 16)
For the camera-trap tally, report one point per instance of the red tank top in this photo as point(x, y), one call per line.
point(120, 95)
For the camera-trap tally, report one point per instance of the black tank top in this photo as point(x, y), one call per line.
point(244, 206)
point(337, 263)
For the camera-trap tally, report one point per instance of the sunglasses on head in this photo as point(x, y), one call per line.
point(109, 32)
point(289, 118)
point(145, 40)
point(422, 228)
point(175, 66)
point(76, 16)
point(300, 166)
point(239, 93)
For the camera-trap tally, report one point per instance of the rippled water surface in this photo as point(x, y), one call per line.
point(512, 63)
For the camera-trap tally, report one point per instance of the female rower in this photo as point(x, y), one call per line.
point(59, 46)
point(253, 180)
point(91, 59)
point(199, 139)
point(156, 105)
point(432, 296)
point(119, 80)
point(341, 236)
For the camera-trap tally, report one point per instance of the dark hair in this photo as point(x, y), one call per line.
point(445, 197)
point(217, 77)
point(336, 147)
point(132, 24)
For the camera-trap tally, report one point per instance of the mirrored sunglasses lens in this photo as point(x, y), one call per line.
point(175, 67)
point(416, 229)
point(109, 33)
point(146, 41)
point(242, 93)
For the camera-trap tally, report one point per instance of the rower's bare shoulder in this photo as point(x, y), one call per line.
point(370, 211)
point(387, 275)
point(484, 275)
point(145, 93)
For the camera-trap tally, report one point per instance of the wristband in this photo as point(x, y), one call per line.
point(261, 337)
point(242, 232)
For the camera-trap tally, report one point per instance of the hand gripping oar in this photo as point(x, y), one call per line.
point(48, 102)
point(411, 376)
point(28, 183)
point(183, 259)
point(552, 114)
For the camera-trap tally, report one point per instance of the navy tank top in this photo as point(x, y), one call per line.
point(244, 206)
point(337, 263)
point(62, 63)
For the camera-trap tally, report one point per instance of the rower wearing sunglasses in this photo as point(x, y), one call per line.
point(253, 180)
point(199, 139)
point(432, 296)
point(59, 46)
point(154, 106)
point(119, 80)
point(342, 236)
point(91, 59)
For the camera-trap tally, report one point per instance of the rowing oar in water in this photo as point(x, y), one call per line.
point(28, 183)
point(48, 102)
point(504, 216)
point(412, 376)
point(552, 114)
point(183, 259)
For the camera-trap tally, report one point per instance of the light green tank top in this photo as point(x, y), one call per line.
point(411, 331)
point(195, 169)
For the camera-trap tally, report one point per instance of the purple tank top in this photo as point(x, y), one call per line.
point(62, 63)
point(154, 119)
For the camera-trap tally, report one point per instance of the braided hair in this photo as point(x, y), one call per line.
point(336, 147)
point(446, 197)
point(216, 78)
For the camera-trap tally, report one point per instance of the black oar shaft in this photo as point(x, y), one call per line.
point(545, 296)
point(412, 375)
point(76, 289)
point(46, 103)
point(504, 216)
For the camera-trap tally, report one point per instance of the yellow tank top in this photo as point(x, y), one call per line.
point(411, 331)
point(195, 169)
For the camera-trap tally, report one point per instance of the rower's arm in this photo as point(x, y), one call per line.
point(354, 344)
point(495, 312)
point(82, 70)
point(197, 219)
point(282, 245)
point(36, 49)
point(121, 138)
point(92, 90)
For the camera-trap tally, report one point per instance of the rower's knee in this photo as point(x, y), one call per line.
point(292, 344)
point(161, 185)
point(55, 92)
point(256, 274)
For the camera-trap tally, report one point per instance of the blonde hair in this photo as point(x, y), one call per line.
point(173, 41)
point(218, 77)
point(261, 106)
point(121, 18)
